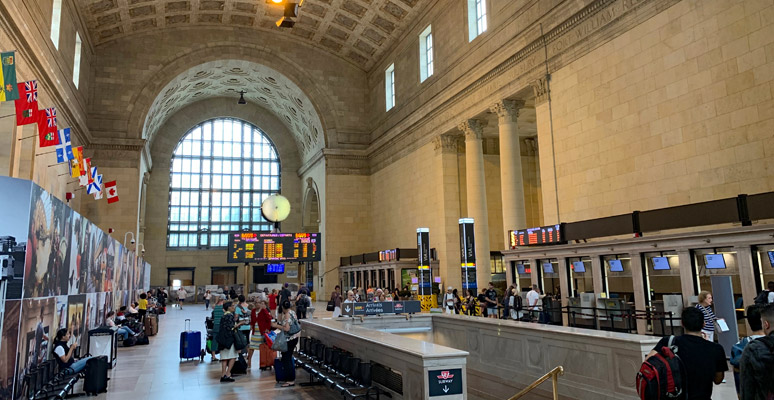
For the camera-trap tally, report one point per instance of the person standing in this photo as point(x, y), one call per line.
point(507, 302)
point(142, 306)
point(705, 306)
point(284, 321)
point(225, 338)
point(336, 299)
point(754, 321)
point(448, 300)
point(181, 295)
point(217, 315)
point(207, 297)
point(304, 290)
point(704, 362)
point(457, 301)
point(757, 364)
point(163, 297)
point(242, 314)
point(302, 304)
point(273, 303)
point(284, 295)
point(491, 301)
point(533, 300)
point(767, 295)
point(260, 323)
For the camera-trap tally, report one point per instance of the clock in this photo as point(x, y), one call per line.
point(275, 208)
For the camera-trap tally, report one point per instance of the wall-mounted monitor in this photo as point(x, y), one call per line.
point(578, 266)
point(771, 258)
point(615, 265)
point(520, 269)
point(548, 268)
point(275, 268)
point(661, 264)
point(715, 261)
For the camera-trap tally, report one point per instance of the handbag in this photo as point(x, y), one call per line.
point(240, 340)
point(295, 327)
point(280, 343)
point(331, 306)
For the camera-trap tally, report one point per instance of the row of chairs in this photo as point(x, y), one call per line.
point(337, 369)
point(43, 383)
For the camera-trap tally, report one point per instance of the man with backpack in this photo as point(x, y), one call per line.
point(766, 296)
point(754, 321)
point(698, 363)
point(757, 364)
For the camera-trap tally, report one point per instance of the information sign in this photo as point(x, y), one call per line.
point(380, 308)
point(262, 247)
point(551, 234)
point(445, 382)
point(468, 254)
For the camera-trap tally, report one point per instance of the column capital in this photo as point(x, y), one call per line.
point(507, 110)
point(540, 89)
point(472, 128)
point(446, 144)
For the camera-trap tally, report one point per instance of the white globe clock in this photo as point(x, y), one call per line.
point(276, 208)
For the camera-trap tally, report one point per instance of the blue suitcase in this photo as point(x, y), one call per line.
point(190, 342)
point(280, 374)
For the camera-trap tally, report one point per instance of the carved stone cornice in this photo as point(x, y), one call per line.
point(507, 110)
point(446, 144)
point(541, 89)
point(472, 128)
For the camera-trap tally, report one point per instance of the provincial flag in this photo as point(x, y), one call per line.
point(47, 127)
point(27, 103)
point(77, 162)
point(96, 182)
point(8, 77)
point(85, 177)
point(64, 150)
point(112, 192)
point(98, 196)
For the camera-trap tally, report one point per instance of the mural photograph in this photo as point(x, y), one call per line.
point(75, 318)
point(8, 347)
point(15, 201)
point(48, 252)
point(35, 336)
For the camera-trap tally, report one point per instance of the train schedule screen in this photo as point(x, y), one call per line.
point(264, 247)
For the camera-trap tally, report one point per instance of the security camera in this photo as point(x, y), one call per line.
point(131, 241)
point(143, 251)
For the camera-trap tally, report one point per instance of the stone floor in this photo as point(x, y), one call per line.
point(155, 371)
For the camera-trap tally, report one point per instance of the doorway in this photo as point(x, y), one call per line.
point(223, 276)
point(177, 277)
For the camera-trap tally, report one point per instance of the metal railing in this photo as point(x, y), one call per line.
point(554, 375)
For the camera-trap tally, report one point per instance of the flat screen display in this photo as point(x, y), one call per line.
point(272, 247)
point(548, 268)
point(771, 258)
point(715, 261)
point(615, 265)
point(520, 269)
point(660, 264)
point(578, 266)
point(551, 234)
point(275, 268)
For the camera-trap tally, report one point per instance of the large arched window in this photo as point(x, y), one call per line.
point(222, 170)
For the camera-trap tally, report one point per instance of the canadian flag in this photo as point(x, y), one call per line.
point(112, 192)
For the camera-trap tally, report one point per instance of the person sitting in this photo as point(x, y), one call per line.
point(122, 331)
point(131, 310)
point(63, 352)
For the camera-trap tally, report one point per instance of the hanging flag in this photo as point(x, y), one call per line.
point(95, 182)
point(98, 196)
point(85, 177)
point(27, 104)
point(98, 182)
point(112, 192)
point(77, 162)
point(8, 77)
point(47, 127)
point(64, 150)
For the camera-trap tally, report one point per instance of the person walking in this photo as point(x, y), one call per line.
point(284, 295)
point(336, 299)
point(181, 295)
point(705, 306)
point(285, 320)
point(704, 362)
point(273, 303)
point(302, 304)
point(756, 368)
point(207, 297)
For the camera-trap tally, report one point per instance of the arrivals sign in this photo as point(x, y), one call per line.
point(468, 254)
point(445, 382)
point(381, 307)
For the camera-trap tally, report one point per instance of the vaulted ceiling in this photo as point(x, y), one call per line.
point(360, 31)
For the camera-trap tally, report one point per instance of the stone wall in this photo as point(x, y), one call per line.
point(676, 110)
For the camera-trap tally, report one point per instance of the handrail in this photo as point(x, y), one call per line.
point(554, 374)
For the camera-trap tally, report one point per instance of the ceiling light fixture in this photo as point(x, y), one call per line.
point(242, 97)
point(291, 12)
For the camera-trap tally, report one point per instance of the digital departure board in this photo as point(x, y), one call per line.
point(262, 247)
point(552, 234)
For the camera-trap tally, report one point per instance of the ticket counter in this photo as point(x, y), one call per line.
point(763, 263)
point(521, 275)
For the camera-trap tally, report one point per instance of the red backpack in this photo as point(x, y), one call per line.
point(660, 376)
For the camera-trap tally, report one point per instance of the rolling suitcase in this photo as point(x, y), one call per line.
point(280, 374)
point(190, 342)
point(151, 325)
point(96, 377)
point(267, 356)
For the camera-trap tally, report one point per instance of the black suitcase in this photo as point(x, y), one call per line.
point(96, 378)
point(240, 366)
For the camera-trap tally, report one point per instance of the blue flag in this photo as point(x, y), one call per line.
point(64, 150)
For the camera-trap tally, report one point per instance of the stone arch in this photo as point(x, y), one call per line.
point(311, 214)
point(142, 102)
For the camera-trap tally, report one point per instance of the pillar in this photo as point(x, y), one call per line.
point(447, 241)
point(476, 193)
point(686, 276)
point(511, 180)
point(747, 277)
point(638, 283)
point(596, 275)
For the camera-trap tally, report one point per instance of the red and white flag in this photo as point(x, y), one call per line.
point(112, 192)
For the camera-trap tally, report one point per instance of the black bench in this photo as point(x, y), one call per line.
point(337, 369)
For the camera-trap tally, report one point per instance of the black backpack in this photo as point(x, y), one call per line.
point(763, 298)
point(660, 376)
point(517, 303)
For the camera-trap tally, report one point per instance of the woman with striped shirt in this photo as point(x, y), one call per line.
point(705, 306)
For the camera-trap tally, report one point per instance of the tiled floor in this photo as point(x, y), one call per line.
point(155, 371)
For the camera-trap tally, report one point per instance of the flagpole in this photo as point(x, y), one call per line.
point(53, 165)
point(28, 137)
point(44, 153)
point(6, 116)
point(67, 183)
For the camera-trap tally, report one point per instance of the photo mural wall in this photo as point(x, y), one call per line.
point(59, 271)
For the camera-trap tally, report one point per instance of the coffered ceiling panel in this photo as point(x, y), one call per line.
point(360, 31)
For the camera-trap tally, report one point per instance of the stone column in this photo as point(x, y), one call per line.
point(447, 240)
point(639, 290)
point(596, 275)
point(686, 276)
point(511, 180)
point(476, 193)
point(744, 261)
